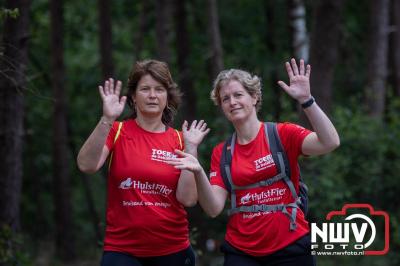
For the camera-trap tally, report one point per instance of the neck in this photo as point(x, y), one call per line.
point(152, 124)
point(247, 130)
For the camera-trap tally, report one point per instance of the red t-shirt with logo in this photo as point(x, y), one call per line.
point(143, 215)
point(262, 233)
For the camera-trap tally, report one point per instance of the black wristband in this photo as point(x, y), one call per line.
point(308, 103)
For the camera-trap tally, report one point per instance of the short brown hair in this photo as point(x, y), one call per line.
point(160, 72)
point(251, 83)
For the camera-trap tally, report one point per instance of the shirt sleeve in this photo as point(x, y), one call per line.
point(215, 171)
point(292, 137)
point(111, 135)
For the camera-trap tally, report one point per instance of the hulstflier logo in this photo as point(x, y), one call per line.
point(126, 184)
point(145, 187)
point(357, 229)
point(269, 195)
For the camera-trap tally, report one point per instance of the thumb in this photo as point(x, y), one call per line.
point(122, 100)
point(283, 85)
point(184, 125)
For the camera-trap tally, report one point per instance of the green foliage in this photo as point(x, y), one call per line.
point(11, 248)
point(365, 168)
point(5, 13)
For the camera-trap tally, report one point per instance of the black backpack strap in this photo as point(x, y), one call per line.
point(277, 151)
point(277, 146)
point(225, 163)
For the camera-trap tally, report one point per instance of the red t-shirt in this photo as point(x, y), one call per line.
point(262, 233)
point(143, 215)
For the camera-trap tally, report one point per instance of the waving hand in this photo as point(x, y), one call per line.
point(113, 105)
point(299, 80)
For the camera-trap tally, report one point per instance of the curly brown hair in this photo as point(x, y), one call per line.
point(251, 83)
point(160, 72)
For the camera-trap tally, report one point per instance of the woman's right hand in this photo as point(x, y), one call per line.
point(185, 162)
point(113, 105)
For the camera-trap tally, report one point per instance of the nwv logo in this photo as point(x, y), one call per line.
point(341, 234)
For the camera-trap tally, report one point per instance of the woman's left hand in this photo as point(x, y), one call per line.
point(299, 88)
point(194, 134)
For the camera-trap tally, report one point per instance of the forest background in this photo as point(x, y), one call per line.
point(55, 53)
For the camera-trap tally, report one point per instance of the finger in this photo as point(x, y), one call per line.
point(101, 91)
point(194, 123)
point(308, 71)
point(122, 100)
point(106, 88)
point(289, 70)
point(283, 85)
point(180, 167)
point(301, 67)
point(112, 86)
point(203, 127)
point(181, 153)
point(118, 88)
point(206, 132)
point(185, 126)
point(294, 66)
point(200, 124)
point(172, 161)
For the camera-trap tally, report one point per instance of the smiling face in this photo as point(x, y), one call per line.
point(150, 97)
point(236, 103)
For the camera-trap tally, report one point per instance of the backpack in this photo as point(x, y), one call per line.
point(282, 163)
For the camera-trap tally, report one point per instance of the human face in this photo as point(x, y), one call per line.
point(236, 103)
point(150, 97)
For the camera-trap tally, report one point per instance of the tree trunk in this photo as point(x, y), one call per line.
point(214, 36)
point(13, 65)
point(143, 28)
point(163, 24)
point(377, 64)
point(297, 18)
point(395, 55)
point(98, 230)
point(62, 186)
point(105, 40)
point(324, 50)
point(271, 39)
point(189, 105)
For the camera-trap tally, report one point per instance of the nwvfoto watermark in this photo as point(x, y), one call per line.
point(351, 234)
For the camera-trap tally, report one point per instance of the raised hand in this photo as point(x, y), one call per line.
point(194, 134)
point(185, 162)
point(299, 88)
point(113, 105)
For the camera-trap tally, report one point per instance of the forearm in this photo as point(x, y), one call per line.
point(186, 192)
point(211, 201)
point(322, 126)
point(90, 154)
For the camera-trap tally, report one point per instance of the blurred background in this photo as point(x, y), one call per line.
point(54, 54)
